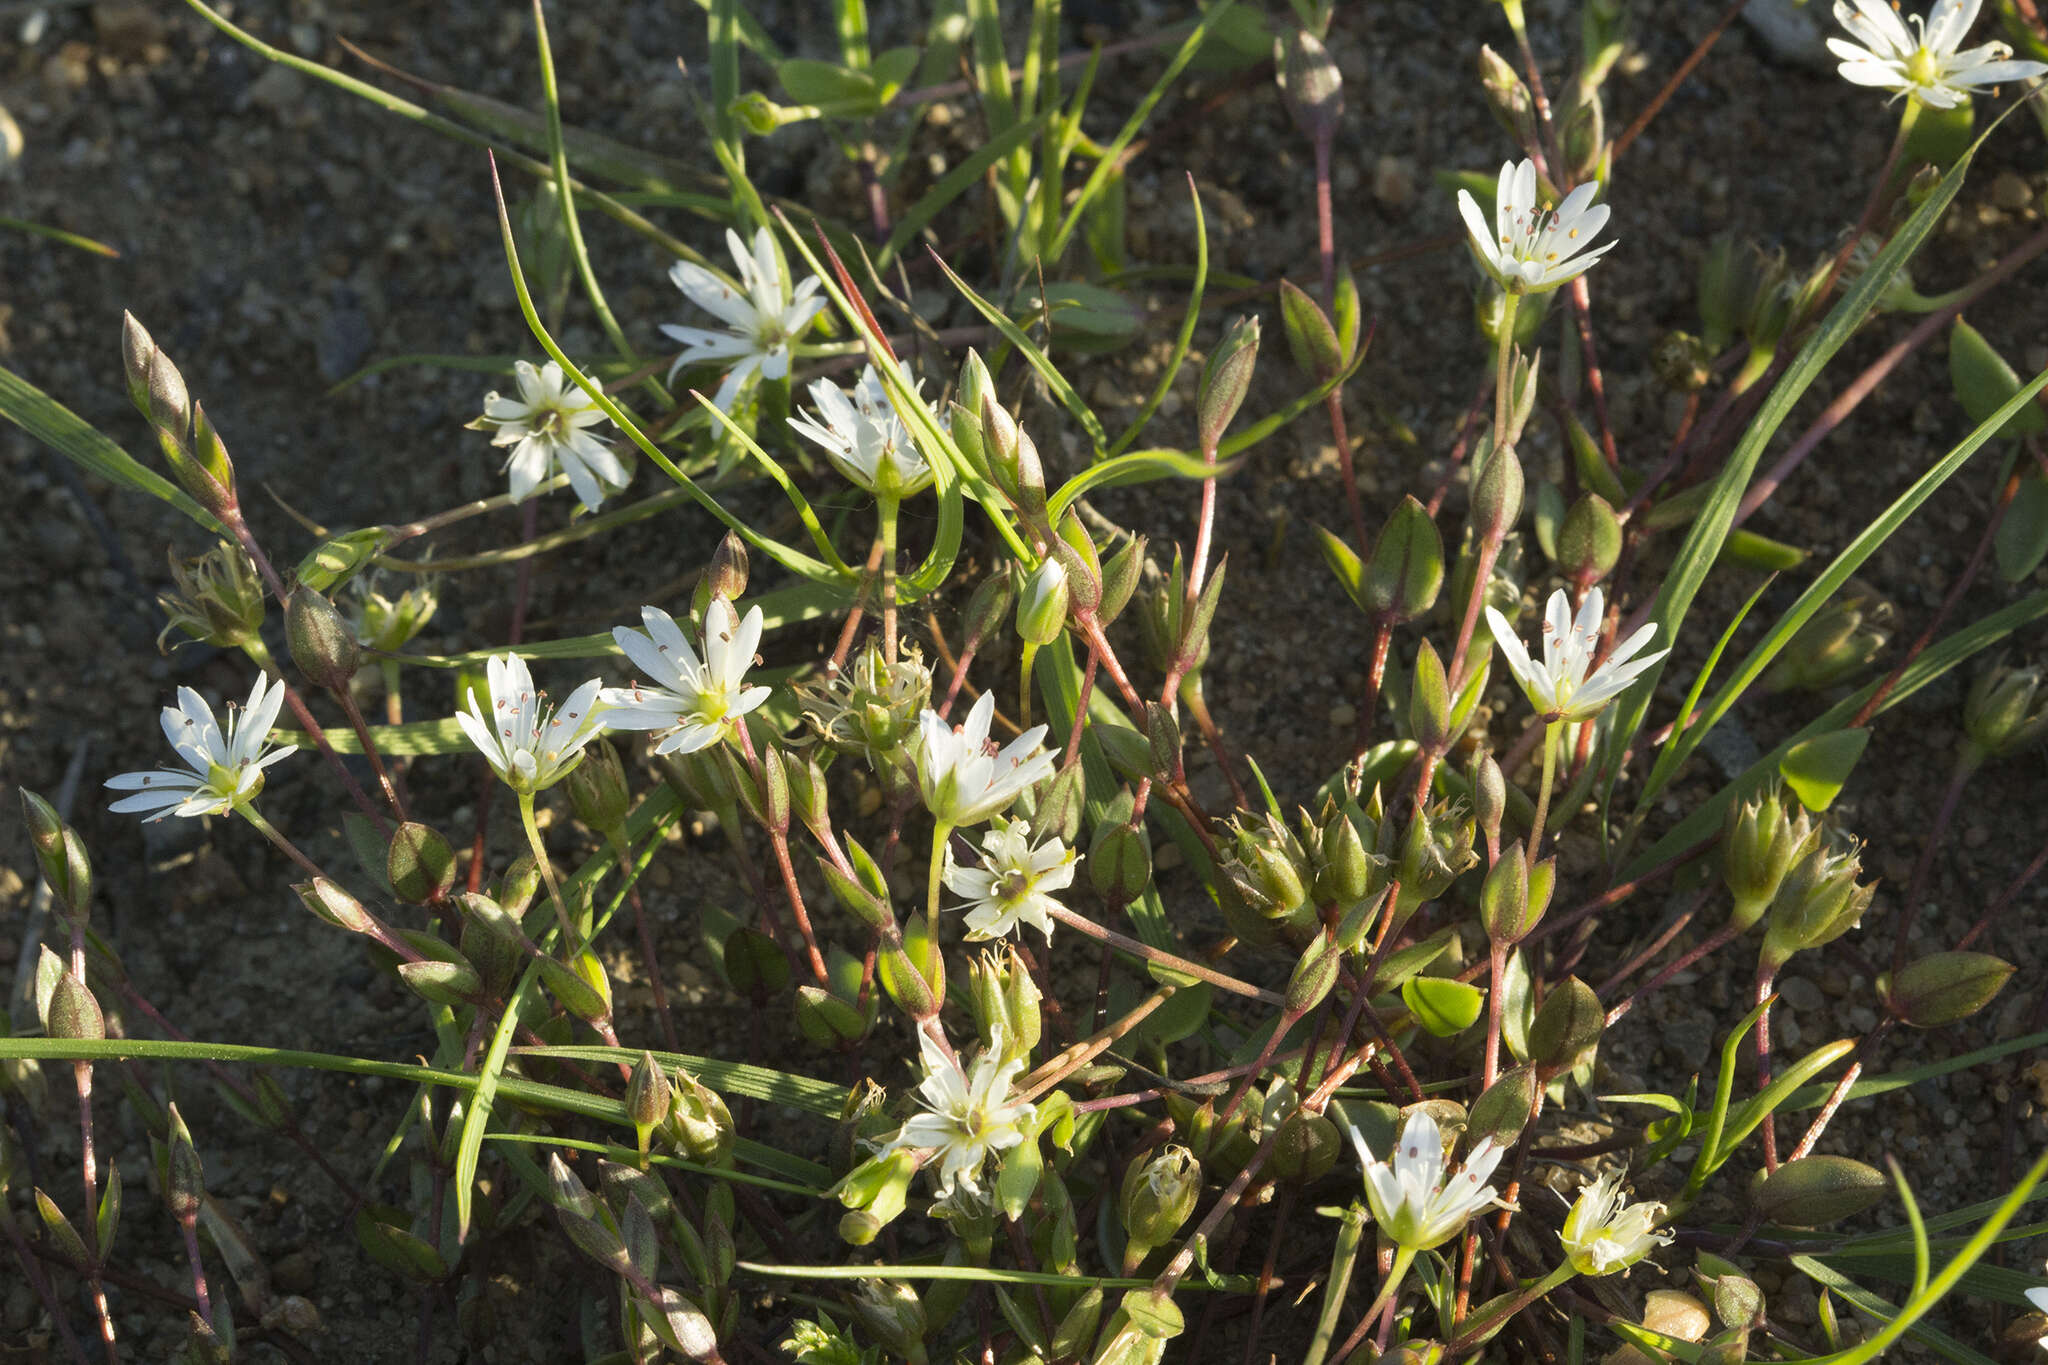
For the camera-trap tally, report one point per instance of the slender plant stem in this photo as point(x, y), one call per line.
point(1163, 958)
point(885, 514)
point(1390, 1285)
point(571, 941)
point(1542, 816)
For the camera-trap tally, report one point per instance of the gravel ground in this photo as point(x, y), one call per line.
point(276, 235)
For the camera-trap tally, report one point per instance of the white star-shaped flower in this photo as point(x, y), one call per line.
point(545, 426)
point(1604, 1233)
point(1013, 884)
point(1415, 1204)
point(693, 701)
point(1924, 61)
point(962, 775)
point(761, 317)
point(971, 1113)
point(864, 437)
point(527, 743)
point(2039, 1298)
point(226, 765)
point(1531, 249)
point(1560, 688)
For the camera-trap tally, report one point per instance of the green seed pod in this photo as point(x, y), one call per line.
point(1817, 903)
point(1946, 987)
point(1817, 1190)
point(61, 855)
point(184, 1179)
point(1589, 541)
point(698, 1123)
point(1435, 851)
point(420, 864)
point(1508, 97)
point(1344, 870)
point(1497, 495)
point(1429, 701)
point(1120, 862)
point(2006, 712)
point(1311, 87)
point(218, 598)
point(1503, 1110)
point(1567, 1026)
point(492, 941)
point(1012, 458)
point(647, 1096)
point(1305, 1147)
point(73, 1013)
point(991, 601)
point(322, 644)
point(1761, 843)
point(1311, 340)
point(1504, 898)
point(1158, 1196)
point(335, 905)
point(1042, 606)
point(1313, 976)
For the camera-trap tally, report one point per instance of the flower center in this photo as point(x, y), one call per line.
point(1923, 67)
point(1012, 885)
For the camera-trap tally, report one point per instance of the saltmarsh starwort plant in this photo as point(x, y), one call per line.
point(958, 645)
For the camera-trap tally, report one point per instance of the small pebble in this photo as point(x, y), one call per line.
point(1343, 716)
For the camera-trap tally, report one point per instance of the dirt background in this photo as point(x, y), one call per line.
point(276, 235)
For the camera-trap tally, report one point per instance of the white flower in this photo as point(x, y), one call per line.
point(545, 427)
point(2039, 1298)
point(227, 767)
point(865, 438)
point(1413, 1202)
point(1529, 249)
point(1922, 62)
point(1559, 687)
point(971, 1114)
point(963, 777)
point(1012, 884)
point(529, 746)
point(1603, 1233)
point(694, 702)
point(761, 317)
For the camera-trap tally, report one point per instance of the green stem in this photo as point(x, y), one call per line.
point(885, 513)
point(570, 940)
point(1024, 685)
point(1503, 373)
point(1536, 826)
point(941, 832)
point(1342, 1261)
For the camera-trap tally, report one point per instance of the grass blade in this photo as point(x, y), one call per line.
point(77, 440)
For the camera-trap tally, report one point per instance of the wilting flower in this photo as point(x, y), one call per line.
point(383, 624)
point(864, 437)
point(1922, 62)
point(971, 1113)
point(761, 317)
point(529, 745)
point(1415, 1205)
point(962, 775)
point(1604, 1233)
point(1013, 884)
point(692, 702)
point(1531, 249)
point(1560, 688)
point(544, 426)
point(227, 765)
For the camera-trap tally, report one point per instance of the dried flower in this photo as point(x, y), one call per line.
point(1531, 249)
point(1560, 688)
point(227, 764)
point(761, 317)
point(1013, 884)
point(545, 428)
point(691, 702)
point(1922, 62)
point(529, 745)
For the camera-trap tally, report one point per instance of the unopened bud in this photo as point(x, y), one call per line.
point(991, 601)
point(170, 404)
point(1489, 794)
point(1429, 701)
point(1120, 862)
point(1435, 851)
point(1507, 95)
point(339, 558)
point(726, 575)
point(332, 903)
point(61, 855)
point(184, 1182)
point(419, 863)
point(1313, 976)
point(698, 1122)
point(205, 470)
point(1311, 340)
point(1946, 987)
point(891, 1311)
point(1311, 86)
point(1344, 869)
point(1497, 495)
point(1817, 903)
point(1817, 1190)
point(322, 643)
point(137, 351)
point(1504, 898)
point(1583, 141)
point(1006, 1001)
point(1305, 1147)
point(1042, 606)
point(73, 1012)
point(1726, 283)
point(1589, 541)
point(1225, 380)
point(901, 978)
point(217, 598)
point(1012, 458)
point(2006, 712)
point(1502, 1110)
point(1075, 549)
point(492, 941)
point(1566, 1027)
point(1407, 568)
point(1760, 845)
point(647, 1097)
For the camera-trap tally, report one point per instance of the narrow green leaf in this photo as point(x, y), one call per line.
point(77, 440)
point(1816, 769)
point(1036, 357)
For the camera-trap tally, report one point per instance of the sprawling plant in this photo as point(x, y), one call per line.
point(1043, 1092)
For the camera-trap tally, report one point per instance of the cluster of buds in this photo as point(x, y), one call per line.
point(2005, 713)
point(217, 598)
point(1840, 640)
point(190, 445)
point(870, 709)
point(1765, 836)
point(1816, 903)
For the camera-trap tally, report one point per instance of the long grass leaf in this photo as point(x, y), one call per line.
point(77, 440)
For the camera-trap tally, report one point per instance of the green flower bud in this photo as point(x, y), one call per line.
point(73, 1013)
point(1344, 870)
point(61, 855)
point(1271, 860)
point(339, 558)
point(1946, 987)
point(1489, 793)
point(1311, 87)
point(1157, 1198)
point(204, 469)
point(1012, 458)
point(964, 417)
point(492, 941)
point(218, 598)
point(1120, 579)
point(183, 1179)
point(1317, 350)
point(891, 1311)
point(1589, 541)
point(1567, 1026)
point(990, 603)
point(335, 905)
point(1508, 97)
point(1817, 1190)
point(726, 575)
point(1042, 605)
point(647, 1097)
point(598, 789)
point(1817, 903)
point(1761, 843)
point(419, 863)
point(2006, 712)
point(1407, 568)
point(1582, 140)
point(1305, 1147)
point(1429, 701)
point(384, 625)
point(1120, 862)
point(1005, 1002)
point(1834, 645)
point(878, 1188)
point(1435, 851)
point(1497, 495)
point(698, 1123)
point(1504, 898)
point(1502, 1111)
point(322, 644)
point(1075, 549)
point(1226, 379)
point(1313, 976)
